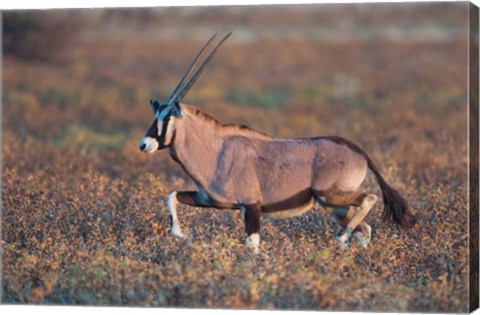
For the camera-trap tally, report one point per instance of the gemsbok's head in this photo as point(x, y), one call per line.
point(160, 133)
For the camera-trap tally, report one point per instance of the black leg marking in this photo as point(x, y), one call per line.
point(252, 226)
point(191, 198)
point(252, 219)
point(194, 199)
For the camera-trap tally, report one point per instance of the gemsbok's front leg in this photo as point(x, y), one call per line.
point(252, 226)
point(191, 198)
point(172, 203)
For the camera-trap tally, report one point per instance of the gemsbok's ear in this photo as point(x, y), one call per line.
point(155, 105)
point(176, 110)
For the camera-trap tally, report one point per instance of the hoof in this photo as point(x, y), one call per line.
point(344, 235)
point(361, 239)
point(344, 244)
point(343, 238)
point(254, 249)
point(176, 231)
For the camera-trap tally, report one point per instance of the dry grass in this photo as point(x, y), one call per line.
point(84, 220)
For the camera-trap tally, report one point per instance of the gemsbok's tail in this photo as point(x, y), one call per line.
point(396, 207)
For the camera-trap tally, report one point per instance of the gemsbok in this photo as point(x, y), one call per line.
point(235, 167)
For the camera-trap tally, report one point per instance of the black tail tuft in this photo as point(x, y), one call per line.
point(396, 207)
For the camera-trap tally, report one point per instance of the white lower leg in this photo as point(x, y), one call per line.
point(343, 237)
point(253, 241)
point(172, 202)
point(343, 215)
point(363, 234)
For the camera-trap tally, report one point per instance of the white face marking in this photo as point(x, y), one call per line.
point(159, 127)
point(149, 144)
point(169, 131)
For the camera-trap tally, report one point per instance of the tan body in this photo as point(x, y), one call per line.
point(236, 167)
point(241, 166)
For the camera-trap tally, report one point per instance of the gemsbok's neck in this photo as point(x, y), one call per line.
point(198, 141)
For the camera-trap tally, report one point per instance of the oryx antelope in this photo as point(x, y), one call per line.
point(234, 167)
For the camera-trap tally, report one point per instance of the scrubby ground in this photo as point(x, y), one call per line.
point(83, 211)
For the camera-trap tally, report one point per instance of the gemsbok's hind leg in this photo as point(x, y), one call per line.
point(342, 215)
point(362, 232)
point(367, 201)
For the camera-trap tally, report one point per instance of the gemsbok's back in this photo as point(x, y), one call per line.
point(235, 167)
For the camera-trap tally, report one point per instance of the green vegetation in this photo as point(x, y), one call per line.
point(83, 137)
point(267, 99)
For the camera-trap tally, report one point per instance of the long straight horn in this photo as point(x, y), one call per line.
point(190, 68)
point(197, 73)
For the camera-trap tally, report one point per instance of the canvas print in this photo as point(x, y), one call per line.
point(291, 157)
